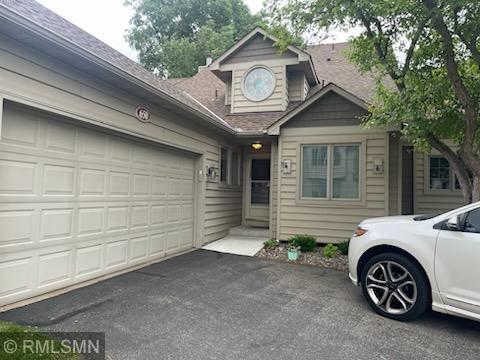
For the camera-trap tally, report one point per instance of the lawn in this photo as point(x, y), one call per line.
point(12, 336)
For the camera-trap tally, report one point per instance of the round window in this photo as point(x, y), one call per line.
point(258, 84)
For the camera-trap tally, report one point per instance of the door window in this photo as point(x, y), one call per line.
point(260, 181)
point(472, 221)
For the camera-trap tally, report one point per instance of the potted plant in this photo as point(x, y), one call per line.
point(293, 251)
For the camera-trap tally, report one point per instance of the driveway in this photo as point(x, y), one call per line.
point(207, 305)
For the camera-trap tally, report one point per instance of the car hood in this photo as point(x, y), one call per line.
point(389, 219)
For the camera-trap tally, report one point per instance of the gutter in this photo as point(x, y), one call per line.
point(68, 45)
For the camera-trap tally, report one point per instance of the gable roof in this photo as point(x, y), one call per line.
point(274, 129)
point(34, 17)
point(302, 55)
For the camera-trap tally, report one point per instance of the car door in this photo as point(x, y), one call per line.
point(457, 261)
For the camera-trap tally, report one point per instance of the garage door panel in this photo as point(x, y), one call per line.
point(77, 203)
point(60, 138)
point(18, 178)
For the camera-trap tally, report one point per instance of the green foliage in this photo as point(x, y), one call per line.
point(173, 38)
point(330, 251)
point(426, 58)
point(343, 247)
point(270, 244)
point(305, 242)
point(19, 334)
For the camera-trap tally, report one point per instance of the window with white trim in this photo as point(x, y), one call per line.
point(441, 175)
point(223, 165)
point(331, 171)
point(235, 172)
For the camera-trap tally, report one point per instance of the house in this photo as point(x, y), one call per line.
point(104, 167)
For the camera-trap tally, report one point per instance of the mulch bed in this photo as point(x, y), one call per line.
point(314, 258)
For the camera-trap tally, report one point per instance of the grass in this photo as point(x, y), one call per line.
point(17, 333)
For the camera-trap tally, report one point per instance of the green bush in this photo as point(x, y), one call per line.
point(330, 251)
point(305, 242)
point(270, 244)
point(343, 247)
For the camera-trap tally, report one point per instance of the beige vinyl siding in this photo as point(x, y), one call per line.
point(257, 49)
point(306, 88)
point(296, 86)
point(228, 92)
point(432, 201)
point(330, 220)
point(331, 110)
point(274, 189)
point(276, 101)
point(31, 77)
point(394, 180)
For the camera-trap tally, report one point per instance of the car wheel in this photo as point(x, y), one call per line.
point(395, 286)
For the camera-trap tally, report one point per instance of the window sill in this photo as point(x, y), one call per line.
point(326, 203)
point(445, 192)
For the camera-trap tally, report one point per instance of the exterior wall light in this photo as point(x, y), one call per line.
point(257, 146)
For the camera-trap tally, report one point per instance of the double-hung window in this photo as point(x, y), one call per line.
point(331, 171)
point(441, 175)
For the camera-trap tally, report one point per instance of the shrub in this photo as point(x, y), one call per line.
point(343, 247)
point(330, 251)
point(305, 242)
point(270, 244)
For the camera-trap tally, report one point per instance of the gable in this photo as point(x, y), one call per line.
point(258, 48)
point(331, 109)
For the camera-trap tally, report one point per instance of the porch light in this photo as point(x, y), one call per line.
point(257, 146)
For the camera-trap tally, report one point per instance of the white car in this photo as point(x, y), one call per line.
point(406, 264)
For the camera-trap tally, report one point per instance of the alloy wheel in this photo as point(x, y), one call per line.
point(391, 287)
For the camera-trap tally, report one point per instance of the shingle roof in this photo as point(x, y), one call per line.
point(203, 93)
point(50, 21)
point(330, 64)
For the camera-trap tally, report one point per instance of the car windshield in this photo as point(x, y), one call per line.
point(424, 217)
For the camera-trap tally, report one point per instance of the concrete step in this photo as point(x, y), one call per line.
point(249, 231)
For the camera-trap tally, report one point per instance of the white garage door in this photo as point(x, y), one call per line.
point(78, 203)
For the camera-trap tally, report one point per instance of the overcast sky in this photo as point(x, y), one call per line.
point(108, 19)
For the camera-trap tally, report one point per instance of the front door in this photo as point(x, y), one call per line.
point(258, 189)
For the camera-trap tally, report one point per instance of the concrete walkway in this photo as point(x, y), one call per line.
point(241, 240)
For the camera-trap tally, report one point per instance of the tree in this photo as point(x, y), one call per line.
point(173, 38)
point(430, 48)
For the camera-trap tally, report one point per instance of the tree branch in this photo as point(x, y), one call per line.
point(459, 87)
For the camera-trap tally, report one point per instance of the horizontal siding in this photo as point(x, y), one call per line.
point(330, 221)
point(432, 202)
point(256, 49)
point(331, 110)
point(296, 86)
point(273, 103)
point(39, 79)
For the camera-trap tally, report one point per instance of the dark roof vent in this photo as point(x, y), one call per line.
point(328, 59)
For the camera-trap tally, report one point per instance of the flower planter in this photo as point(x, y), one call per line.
point(293, 255)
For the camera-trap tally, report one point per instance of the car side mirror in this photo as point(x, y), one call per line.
point(452, 223)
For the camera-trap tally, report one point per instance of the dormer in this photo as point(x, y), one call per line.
point(260, 79)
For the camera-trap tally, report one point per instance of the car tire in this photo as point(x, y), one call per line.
point(395, 287)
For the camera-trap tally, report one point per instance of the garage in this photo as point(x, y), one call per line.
point(81, 202)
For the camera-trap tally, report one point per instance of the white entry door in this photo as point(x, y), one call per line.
point(77, 203)
point(258, 189)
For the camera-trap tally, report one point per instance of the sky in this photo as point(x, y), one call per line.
point(108, 20)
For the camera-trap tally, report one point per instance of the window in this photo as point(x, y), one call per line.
point(223, 165)
point(260, 182)
point(472, 221)
point(331, 171)
point(441, 176)
point(235, 168)
point(439, 173)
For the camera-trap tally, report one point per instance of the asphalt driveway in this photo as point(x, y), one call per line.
point(206, 305)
